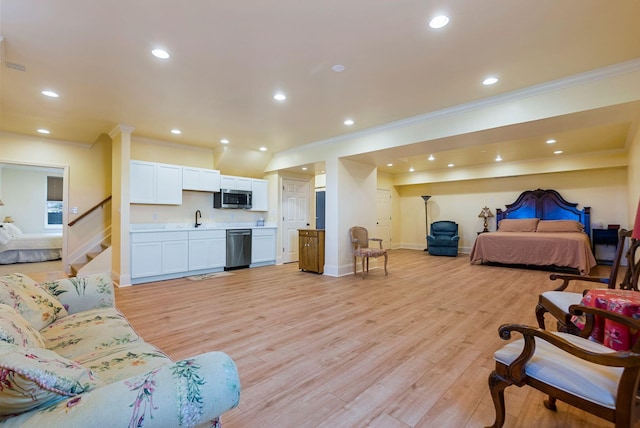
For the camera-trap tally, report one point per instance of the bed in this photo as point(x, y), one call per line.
point(18, 247)
point(540, 229)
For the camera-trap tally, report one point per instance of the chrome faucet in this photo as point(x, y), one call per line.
point(198, 214)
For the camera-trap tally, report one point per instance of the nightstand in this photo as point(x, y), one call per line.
point(604, 237)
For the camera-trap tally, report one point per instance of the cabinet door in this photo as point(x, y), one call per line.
point(146, 259)
point(228, 182)
point(168, 184)
point(175, 256)
point(143, 182)
point(263, 246)
point(243, 183)
point(191, 178)
point(201, 254)
point(209, 180)
point(260, 200)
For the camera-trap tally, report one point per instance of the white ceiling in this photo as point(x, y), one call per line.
point(229, 57)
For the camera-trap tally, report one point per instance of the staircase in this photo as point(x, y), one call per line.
point(96, 261)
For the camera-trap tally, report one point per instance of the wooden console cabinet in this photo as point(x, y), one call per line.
point(311, 250)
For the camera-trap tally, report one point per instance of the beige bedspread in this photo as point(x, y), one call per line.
point(569, 249)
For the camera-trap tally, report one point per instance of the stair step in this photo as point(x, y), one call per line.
point(91, 256)
point(75, 268)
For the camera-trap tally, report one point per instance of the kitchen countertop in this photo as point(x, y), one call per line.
point(170, 227)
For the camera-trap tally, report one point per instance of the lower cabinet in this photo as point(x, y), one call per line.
point(263, 246)
point(207, 249)
point(159, 253)
point(311, 250)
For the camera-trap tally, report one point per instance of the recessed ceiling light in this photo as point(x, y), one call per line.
point(411, 169)
point(498, 158)
point(431, 157)
point(490, 81)
point(557, 152)
point(439, 21)
point(263, 149)
point(338, 68)
point(160, 53)
point(176, 131)
point(551, 141)
point(451, 165)
point(224, 141)
point(389, 164)
point(349, 122)
point(44, 131)
point(50, 94)
point(304, 168)
point(279, 96)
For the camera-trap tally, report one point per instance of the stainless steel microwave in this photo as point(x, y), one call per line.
point(228, 198)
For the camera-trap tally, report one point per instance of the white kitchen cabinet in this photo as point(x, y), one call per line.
point(235, 183)
point(259, 195)
point(200, 179)
point(159, 253)
point(263, 246)
point(155, 183)
point(207, 249)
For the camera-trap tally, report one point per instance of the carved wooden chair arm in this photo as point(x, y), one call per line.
point(377, 240)
point(568, 278)
point(516, 370)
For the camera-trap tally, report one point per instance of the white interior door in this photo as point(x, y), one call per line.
point(295, 209)
point(384, 217)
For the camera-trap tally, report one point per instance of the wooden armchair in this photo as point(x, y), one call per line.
point(570, 368)
point(557, 301)
point(360, 242)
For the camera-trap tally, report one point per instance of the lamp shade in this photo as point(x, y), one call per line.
point(636, 226)
point(8, 219)
point(486, 213)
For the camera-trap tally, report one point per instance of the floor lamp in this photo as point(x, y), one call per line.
point(426, 217)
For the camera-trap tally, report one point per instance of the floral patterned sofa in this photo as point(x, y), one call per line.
point(68, 358)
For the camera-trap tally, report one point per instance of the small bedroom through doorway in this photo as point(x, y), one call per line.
point(31, 214)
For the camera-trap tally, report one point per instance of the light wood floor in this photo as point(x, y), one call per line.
point(413, 349)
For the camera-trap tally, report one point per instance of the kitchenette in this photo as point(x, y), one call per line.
point(227, 229)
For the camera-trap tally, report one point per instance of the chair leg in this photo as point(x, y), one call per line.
point(354, 264)
point(385, 265)
point(540, 311)
point(363, 270)
point(497, 386)
point(550, 403)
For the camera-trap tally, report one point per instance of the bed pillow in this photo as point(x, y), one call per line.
point(518, 225)
point(15, 329)
point(12, 229)
point(560, 226)
point(35, 305)
point(35, 377)
point(5, 236)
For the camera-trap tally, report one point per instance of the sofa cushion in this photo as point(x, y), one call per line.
point(88, 331)
point(37, 306)
point(82, 293)
point(115, 364)
point(32, 377)
point(15, 329)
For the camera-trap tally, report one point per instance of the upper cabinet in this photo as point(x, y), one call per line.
point(259, 195)
point(204, 180)
point(235, 183)
point(155, 183)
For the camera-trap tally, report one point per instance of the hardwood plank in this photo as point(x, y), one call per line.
point(412, 349)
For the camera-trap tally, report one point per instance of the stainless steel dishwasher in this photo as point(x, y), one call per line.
point(238, 248)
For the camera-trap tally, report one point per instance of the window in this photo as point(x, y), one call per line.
point(54, 202)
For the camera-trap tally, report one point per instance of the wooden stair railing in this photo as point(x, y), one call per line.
point(92, 209)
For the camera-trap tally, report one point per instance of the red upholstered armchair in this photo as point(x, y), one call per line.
point(360, 241)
